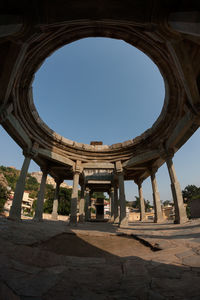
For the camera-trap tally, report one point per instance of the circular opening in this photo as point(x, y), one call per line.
point(99, 89)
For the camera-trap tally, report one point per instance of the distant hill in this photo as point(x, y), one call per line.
point(50, 180)
point(3, 180)
point(10, 175)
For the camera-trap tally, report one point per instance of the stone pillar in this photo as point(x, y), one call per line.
point(111, 195)
point(122, 200)
point(82, 204)
point(89, 208)
point(87, 201)
point(180, 212)
point(74, 199)
point(15, 211)
point(40, 200)
point(142, 205)
point(158, 216)
point(116, 210)
point(54, 214)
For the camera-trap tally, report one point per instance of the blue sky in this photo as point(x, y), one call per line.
point(103, 89)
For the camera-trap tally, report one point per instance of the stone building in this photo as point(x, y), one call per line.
point(194, 206)
point(26, 206)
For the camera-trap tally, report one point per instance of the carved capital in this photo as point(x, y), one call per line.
point(118, 166)
point(139, 181)
point(45, 169)
point(168, 154)
point(196, 108)
point(31, 152)
point(58, 180)
point(78, 167)
point(87, 190)
point(111, 190)
point(152, 170)
point(165, 153)
point(5, 112)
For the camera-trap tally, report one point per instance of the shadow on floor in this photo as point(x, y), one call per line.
point(69, 266)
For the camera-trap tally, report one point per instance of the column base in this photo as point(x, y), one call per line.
point(14, 218)
point(159, 220)
point(37, 219)
point(15, 214)
point(124, 222)
point(111, 220)
point(116, 220)
point(81, 218)
point(54, 216)
point(181, 221)
point(73, 220)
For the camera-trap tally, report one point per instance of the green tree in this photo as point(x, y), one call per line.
point(147, 205)
point(136, 203)
point(191, 192)
point(3, 197)
point(98, 195)
point(31, 184)
point(49, 196)
point(11, 176)
point(166, 202)
point(64, 201)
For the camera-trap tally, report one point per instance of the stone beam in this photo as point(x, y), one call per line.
point(141, 158)
point(17, 128)
point(132, 12)
point(14, 56)
point(10, 24)
point(137, 168)
point(57, 157)
point(185, 69)
point(98, 166)
point(180, 130)
point(99, 182)
point(186, 22)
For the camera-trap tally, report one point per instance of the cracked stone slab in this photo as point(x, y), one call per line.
point(193, 261)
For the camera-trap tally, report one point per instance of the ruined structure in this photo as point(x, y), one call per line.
point(167, 31)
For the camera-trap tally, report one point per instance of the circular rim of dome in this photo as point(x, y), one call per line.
point(49, 45)
point(44, 39)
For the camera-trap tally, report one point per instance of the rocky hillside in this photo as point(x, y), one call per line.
point(50, 180)
point(10, 175)
point(3, 180)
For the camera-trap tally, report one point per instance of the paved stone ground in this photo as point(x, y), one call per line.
point(97, 261)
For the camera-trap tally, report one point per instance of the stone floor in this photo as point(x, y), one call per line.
point(97, 261)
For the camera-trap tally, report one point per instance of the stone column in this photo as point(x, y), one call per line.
point(87, 201)
point(82, 204)
point(15, 211)
point(142, 205)
point(111, 195)
point(116, 210)
point(180, 212)
point(54, 214)
point(122, 200)
point(158, 216)
point(40, 200)
point(89, 208)
point(74, 199)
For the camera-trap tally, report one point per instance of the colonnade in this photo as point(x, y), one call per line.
point(116, 194)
